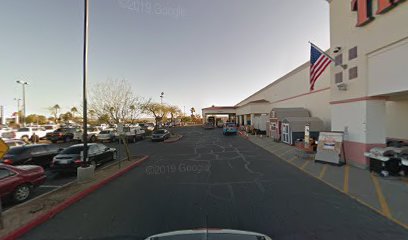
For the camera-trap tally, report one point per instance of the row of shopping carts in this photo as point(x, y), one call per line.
point(389, 161)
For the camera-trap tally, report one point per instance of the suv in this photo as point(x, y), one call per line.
point(92, 134)
point(133, 133)
point(25, 133)
point(64, 134)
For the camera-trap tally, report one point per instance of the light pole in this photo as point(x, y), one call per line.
point(18, 109)
point(161, 97)
point(85, 70)
point(24, 101)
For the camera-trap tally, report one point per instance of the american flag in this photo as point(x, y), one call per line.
point(318, 63)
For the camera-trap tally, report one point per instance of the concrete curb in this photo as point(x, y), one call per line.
point(68, 202)
point(173, 140)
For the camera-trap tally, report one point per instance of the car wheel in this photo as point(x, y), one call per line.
point(22, 193)
point(93, 138)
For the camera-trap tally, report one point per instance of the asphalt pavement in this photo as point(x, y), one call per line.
point(216, 181)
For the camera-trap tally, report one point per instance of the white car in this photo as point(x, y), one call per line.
point(109, 135)
point(133, 133)
point(92, 134)
point(25, 133)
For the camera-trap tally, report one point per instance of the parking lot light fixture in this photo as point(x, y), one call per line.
point(23, 84)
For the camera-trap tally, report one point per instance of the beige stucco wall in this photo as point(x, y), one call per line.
point(292, 90)
point(397, 118)
point(384, 31)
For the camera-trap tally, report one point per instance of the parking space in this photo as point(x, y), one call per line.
point(388, 196)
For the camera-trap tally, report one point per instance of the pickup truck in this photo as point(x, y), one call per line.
point(133, 133)
point(25, 133)
point(92, 134)
point(64, 134)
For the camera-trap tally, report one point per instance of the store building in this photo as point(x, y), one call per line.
point(368, 98)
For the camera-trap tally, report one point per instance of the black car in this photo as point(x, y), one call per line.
point(160, 135)
point(36, 154)
point(64, 134)
point(69, 159)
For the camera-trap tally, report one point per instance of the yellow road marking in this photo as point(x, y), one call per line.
point(346, 178)
point(381, 198)
point(305, 164)
point(323, 171)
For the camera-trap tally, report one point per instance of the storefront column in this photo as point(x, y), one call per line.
point(245, 119)
point(363, 123)
point(252, 119)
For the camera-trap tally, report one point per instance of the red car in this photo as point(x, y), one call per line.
point(18, 182)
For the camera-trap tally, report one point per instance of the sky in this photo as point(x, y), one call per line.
point(198, 52)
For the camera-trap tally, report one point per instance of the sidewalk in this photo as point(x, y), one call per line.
point(387, 196)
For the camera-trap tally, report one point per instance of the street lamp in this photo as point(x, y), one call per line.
point(18, 109)
point(161, 97)
point(24, 101)
point(85, 71)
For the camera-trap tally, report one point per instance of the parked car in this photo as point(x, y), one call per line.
point(18, 181)
point(35, 154)
point(15, 142)
point(109, 135)
point(133, 133)
point(229, 128)
point(61, 134)
point(25, 133)
point(147, 126)
point(69, 159)
point(208, 125)
point(160, 135)
point(5, 130)
point(92, 134)
point(49, 128)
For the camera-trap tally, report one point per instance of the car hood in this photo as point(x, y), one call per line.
point(201, 234)
point(29, 167)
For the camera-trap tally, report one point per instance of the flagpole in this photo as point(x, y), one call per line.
point(344, 66)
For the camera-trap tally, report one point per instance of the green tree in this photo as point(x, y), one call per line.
point(36, 119)
point(174, 111)
point(157, 110)
point(104, 119)
point(66, 116)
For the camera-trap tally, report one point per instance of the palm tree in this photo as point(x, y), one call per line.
point(54, 111)
point(74, 110)
point(91, 113)
point(192, 110)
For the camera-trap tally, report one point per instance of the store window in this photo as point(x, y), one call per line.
point(353, 73)
point(338, 77)
point(352, 53)
point(338, 60)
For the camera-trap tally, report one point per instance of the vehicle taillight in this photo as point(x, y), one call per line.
point(78, 161)
point(60, 134)
point(8, 161)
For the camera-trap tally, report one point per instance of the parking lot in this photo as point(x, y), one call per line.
point(211, 180)
point(57, 180)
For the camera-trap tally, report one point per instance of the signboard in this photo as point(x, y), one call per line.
point(364, 9)
point(3, 148)
point(120, 128)
point(330, 146)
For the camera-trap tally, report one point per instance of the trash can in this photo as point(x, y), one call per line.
point(384, 161)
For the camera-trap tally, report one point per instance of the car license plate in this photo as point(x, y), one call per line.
point(63, 161)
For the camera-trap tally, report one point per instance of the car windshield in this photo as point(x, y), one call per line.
point(105, 132)
point(231, 125)
point(159, 132)
point(73, 150)
point(23, 130)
